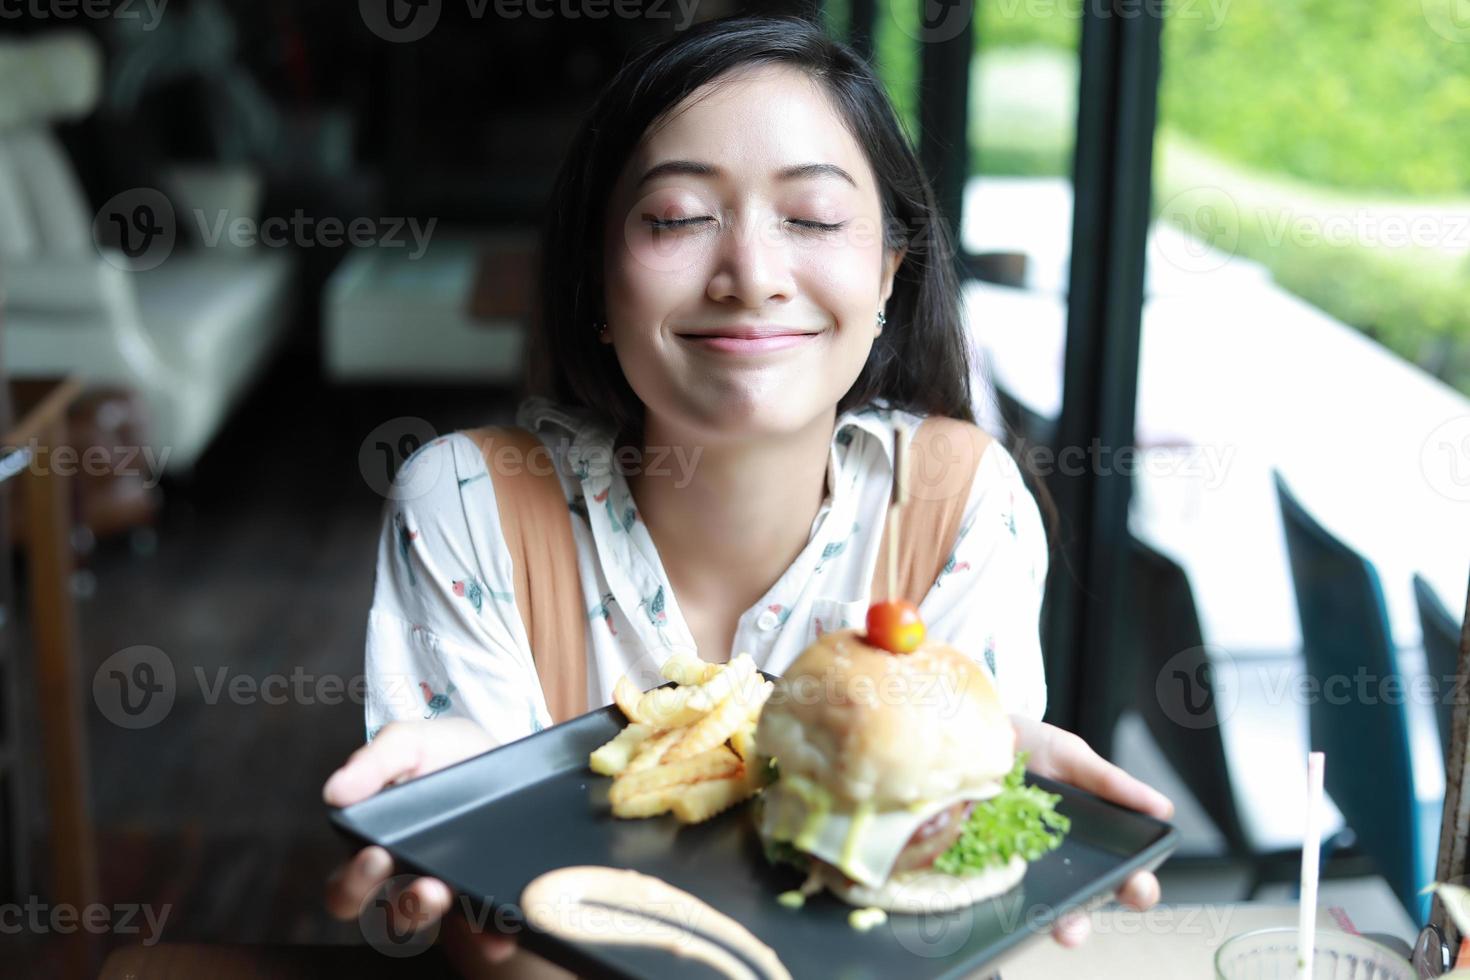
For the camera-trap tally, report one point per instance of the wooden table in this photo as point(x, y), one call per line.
point(45, 502)
point(1166, 942)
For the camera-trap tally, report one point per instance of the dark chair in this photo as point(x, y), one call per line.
point(1345, 631)
point(15, 880)
point(1174, 693)
point(1441, 656)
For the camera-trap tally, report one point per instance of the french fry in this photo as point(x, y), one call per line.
point(686, 668)
point(711, 730)
point(613, 757)
point(688, 748)
point(743, 741)
point(651, 751)
point(629, 700)
point(735, 676)
point(697, 803)
point(719, 761)
point(672, 707)
point(759, 701)
point(646, 804)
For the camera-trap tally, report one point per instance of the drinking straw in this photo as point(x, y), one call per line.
point(897, 499)
point(1311, 854)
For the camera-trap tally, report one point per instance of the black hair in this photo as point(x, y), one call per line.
point(919, 362)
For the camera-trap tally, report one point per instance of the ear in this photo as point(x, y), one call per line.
point(892, 259)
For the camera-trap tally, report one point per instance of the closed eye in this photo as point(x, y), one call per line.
point(817, 225)
point(658, 224)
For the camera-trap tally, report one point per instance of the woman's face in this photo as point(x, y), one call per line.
point(745, 265)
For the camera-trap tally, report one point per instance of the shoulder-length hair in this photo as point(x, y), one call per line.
point(919, 362)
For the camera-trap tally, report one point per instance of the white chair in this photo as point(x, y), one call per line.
point(189, 334)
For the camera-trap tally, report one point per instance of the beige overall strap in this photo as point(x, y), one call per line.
point(537, 525)
point(943, 455)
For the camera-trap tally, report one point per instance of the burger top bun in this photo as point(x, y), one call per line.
point(887, 728)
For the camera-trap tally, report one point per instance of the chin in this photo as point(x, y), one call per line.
point(890, 767)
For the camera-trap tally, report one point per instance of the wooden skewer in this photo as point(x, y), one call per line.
point(897, 499)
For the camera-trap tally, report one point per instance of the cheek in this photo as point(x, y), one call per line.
point(845, 280)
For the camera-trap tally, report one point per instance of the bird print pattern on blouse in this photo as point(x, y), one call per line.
point(950, 565)
point(437, 703)
point(603, 610)
point(835, 548)
point(405, 540)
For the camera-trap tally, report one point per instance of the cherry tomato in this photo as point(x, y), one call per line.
point(894, 625)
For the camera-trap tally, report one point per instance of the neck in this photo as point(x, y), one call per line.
point(730, 522)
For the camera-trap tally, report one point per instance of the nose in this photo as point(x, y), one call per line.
point(754, 263)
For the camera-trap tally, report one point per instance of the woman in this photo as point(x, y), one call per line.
point(743, 270)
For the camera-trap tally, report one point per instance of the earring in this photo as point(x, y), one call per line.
point(600, 327)
point(882, 319)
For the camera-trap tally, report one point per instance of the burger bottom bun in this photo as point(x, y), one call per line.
point(928, 890)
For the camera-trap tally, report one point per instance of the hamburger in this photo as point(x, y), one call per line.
point(897, 781)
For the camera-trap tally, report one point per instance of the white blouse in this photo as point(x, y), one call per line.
point(445, 637)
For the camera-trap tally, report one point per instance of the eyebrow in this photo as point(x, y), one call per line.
point(692, 168)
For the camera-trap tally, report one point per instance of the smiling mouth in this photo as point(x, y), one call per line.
point(746, 343)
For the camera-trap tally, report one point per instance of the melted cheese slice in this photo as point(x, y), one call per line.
point(862, 843)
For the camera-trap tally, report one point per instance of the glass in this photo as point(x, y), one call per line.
point(1271, 954)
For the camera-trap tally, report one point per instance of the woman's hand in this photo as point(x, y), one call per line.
point(1065, 757)
point(403, 751)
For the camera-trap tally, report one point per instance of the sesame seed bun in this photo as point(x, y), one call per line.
point(885, 728)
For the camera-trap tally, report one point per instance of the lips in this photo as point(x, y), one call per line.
point(748, 339)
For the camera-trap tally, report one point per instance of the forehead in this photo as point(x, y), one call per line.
point(751, 123)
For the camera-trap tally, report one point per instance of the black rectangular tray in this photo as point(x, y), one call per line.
point(490, 824)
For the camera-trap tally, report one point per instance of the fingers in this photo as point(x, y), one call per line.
point(1140, 892)
point(1066, 757)
point(352, 883)
point(1072, 929)
point(421, 902)
point(395, 754)
point(474, 953)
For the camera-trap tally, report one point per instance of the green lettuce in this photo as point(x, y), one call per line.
point(1020, 820)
